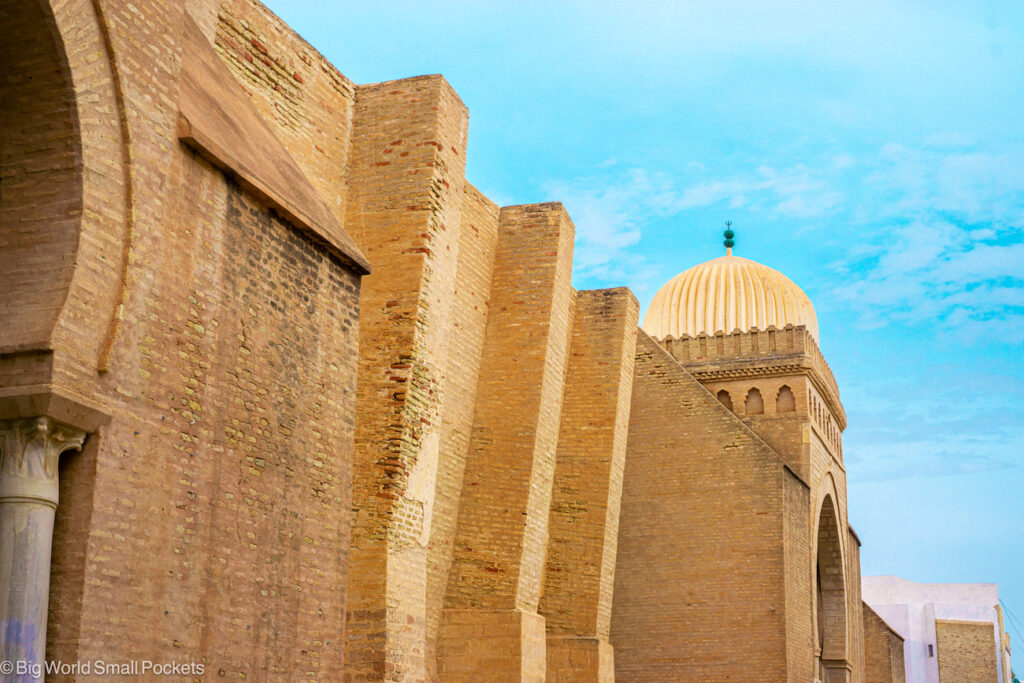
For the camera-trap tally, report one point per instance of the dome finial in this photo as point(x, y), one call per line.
point(729, 241)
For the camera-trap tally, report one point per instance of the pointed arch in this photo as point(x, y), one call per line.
point(831, 630)
point(40, 176)
point(725, 399)
point(754, 404)
point(65, 207)
point(785, 401)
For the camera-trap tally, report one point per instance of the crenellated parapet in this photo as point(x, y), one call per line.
point(758, 353)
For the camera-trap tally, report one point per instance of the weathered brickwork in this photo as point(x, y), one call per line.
point(855, 607)
point(454, 468)
point(238, 490)
point(966, 651)
point(222, 480)
point(405, 183)
point(778, 384)
point(306, 99)
point(570, 658)
point(478, 238)
point(505, 646)
point(883, 650)
point(591, 454)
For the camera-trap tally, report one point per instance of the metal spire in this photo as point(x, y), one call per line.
point(729, 241)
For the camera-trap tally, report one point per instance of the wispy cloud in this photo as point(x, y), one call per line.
point(939, 228)
point(944, 243)
point(611, 207)
point(934, 421)
point(797, 191)
point(609, 210)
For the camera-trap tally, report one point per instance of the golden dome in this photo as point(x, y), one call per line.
point(725, 294)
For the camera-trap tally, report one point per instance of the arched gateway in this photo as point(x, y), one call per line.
point(40, 214)
point(830, 618)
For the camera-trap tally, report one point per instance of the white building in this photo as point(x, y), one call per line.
point(953, 632)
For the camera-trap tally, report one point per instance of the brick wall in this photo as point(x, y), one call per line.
point(700, 577)
point(591, 453)
point(222, 481)
point(799, 585)
point(40, 181)
point(786, 432)
point(228, 468)
point(883, 650)
point(478, 237)
point(776, 348)
point(966, 651)
point(210, 520)
point(405, 189)
point(854, 607)
point(307, 101)
point(501, 537)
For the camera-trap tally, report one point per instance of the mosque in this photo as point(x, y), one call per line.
point(284, 397)
point(761, 474)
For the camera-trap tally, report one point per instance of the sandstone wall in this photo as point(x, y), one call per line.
point(580, 566)
point(405, 190)
point(883, 650)
point(219, 341)
point(700, 578)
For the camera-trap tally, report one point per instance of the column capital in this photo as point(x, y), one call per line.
point(29, 451)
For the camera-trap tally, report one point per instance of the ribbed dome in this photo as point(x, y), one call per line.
point(725, 294)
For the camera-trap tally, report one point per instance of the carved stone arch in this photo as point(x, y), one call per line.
point(65, 199)
point(830, 627)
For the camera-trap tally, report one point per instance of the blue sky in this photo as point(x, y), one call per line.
point(872, 151)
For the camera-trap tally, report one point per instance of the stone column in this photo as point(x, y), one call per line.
point(29, 451)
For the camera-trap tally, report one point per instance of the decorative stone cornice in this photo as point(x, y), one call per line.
point(29, 452)
point(788, 350)
point(738, 373)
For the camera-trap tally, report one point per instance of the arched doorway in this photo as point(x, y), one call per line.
point(41, 209)
point(40, 176)
point(830, 627)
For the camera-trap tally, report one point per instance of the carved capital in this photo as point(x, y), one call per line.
point(29, 451)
